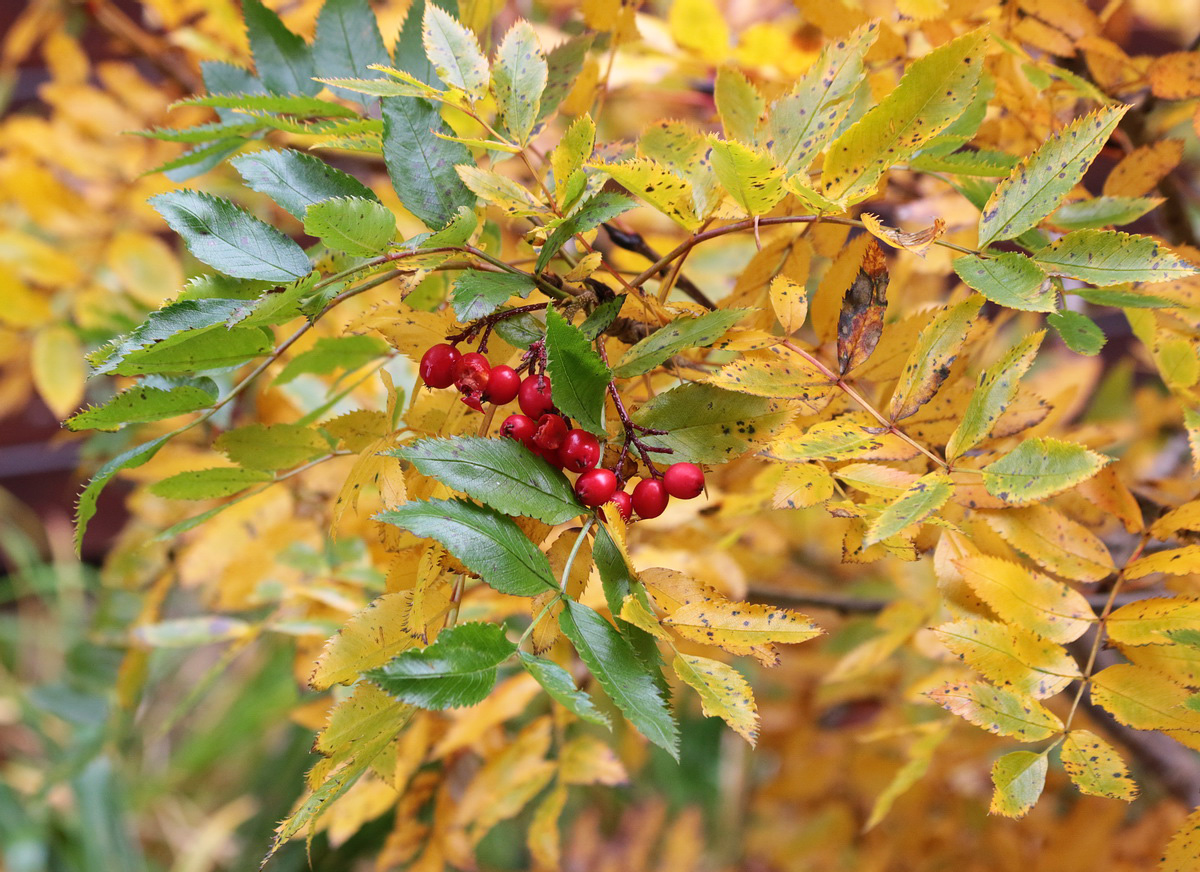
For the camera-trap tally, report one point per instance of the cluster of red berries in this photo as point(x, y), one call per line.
point(545, 432)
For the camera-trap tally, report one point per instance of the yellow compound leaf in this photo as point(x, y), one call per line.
point(802, 485)
point(1177, 561)
point(789, 299)
point(776, 374)
point(1020, 777)
point(589, 760)
point(723, 692)
point(1183, 850)
point(998, 711)
point(697, 25)
point(56, 360)
point(1028, 599)
point(929, 364)
point(1176, 76)
point(507, 782)
point(917, 242)
point(1010, 657)
point(721, 622)
point(544, 839)
point(370, 638)
point(1144, 700)
point(1148, 621)
point(1096, 768)
point(1186, 517)
point(1140, 171)
point(1054, 541)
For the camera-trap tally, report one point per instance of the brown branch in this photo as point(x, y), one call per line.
point(635, 243)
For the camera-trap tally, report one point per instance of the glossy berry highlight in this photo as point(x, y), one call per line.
point(684, 481)
point(535, 401)
point(519, 427)
point(650, 498)
point(438, 365)
point(580, 451)
point(596, 487)
point(502, 386)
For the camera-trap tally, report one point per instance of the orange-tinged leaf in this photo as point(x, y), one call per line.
point(721, 621)
point(929, 364)
point(56, 360)
point(1028, 599)
point(588, 759)
point(1148, 621)
point(724, 693)
point(998, 711)
point(1143, 699)
point(861, 321)
point(507, 782)
point(1054, 541)
point(1139, 172)
point(1176, 76)
point(1010, 656)
point(1096, 767)
point(1177, 561)
point(917, 241)
point(789, 299)
point(1020, 777)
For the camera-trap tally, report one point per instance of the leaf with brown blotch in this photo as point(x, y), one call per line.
point(861, 322)
point(918, 241)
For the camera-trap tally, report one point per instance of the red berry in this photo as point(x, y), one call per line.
point(624, 504)
point(684, 480)
point(471, 373)
point(650, 498)
point(520, 428)
point(596, 487)
point(551, 431)
point(550, 455)
point(472, 401)
point(438, 364)
point(535, 401)
point(502, 386)
point(580, 451)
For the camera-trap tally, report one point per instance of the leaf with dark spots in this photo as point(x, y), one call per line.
point(861, 322)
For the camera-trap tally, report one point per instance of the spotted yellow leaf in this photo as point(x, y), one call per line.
point(723, 692)
point(1096, 767)
point(1028, 599)
point(998, 711)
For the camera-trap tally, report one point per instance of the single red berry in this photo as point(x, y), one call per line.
point(535, 401)
point(596, 487)
point(650, 498)
point(471, 373)
point(438, 364)
point(551, 431)
point(503, 384)
point(623, 503)
point(684, 480)
point(520, 428)
point(580, 451)
point(550, 455)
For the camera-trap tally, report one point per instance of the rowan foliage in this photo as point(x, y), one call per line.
point(909, 292)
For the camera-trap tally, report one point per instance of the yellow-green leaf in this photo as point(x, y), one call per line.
point(739, 104)
point(1026, 598)
point(1143, 699)
point(803, 485)
point(454, 52)
point(724, 693)
point(1020, 777)
point(998, 711)
point(1096, 767)
point(1010, 656)
point(370, 638)
point(1148, 621)
point(1182, 853)
point(778, 374)
point(658, 186)
point(926, 495)
point(995, 389)
point(750, 176)
point(1177, 561)
point(1040, 468)
point(929, 363)
point(56, 361)
point(1050, 538)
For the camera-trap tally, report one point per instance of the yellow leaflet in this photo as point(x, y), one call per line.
point(356, 430)
point(409, 331)
point(920, 756)
point(721, 621)
point(1028, 599)
point(506, 701)
point(1183, 851)
point(1180, 663)
point(876, 479)
point(56, 360)
point(723, 693)
point(1010, 657)
point(998, 711)
point(951, 548)
point(697, 25)
point(1177, 561)
point(635, 613)
point(802, 485)
point(750, 176)
point(1147, 622)
point(897, 623)
point(1144, 700)
point(826, 301)
point(1176, 76)
point(589, 760)
point(371, 467)
point(658, 186)
point(1096, 767)
point(145, 266)
point(370, 638)
point(917, 242)
point(844, 438)
point(510, 196)
point(789, 299)
point(547, 633)
point(926, 495)
point(993, 395)
point(929, 364)
point(509, 780)
point(369, 798)
point(544, 840)
point(1139, 172)
point(777, 374)
point(1053, 540)
point(1020, 777)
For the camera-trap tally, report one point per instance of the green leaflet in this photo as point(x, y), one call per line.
point(522, 330)
point(987, 164)
point(1020, 777)
point(1079, 332)
point(488, 543)
point(272, 446)
point(751, 177)
point(739, 105)
point(993, 392)
point(199, 160)
point(139, 404)
point(1039, 468)
point(597, 209)
point(333, 352)
point(348, 41)
point(283, 60)
point(229, 239)
point(195, 351)
point(355, 225)
point(706, 424)
point(477, 293)
point(454, 52)
point(1123, 296)
point(169, 324)
point(207, 484)
point(296, 180)
point(86, 508)
point(518, 80)
point(222, 78)
point(1108, 257)
point(499, 472)
point(283, 104)
point(929, 363)
point(564, 63)
point(202, 132)
point(568, 157)
point(579, 375)
point(457, 670)
point(602, 317)
point(924, 497)
point(622, 675)
point(276, 305)
point(933, 92)
point(1102, 212)
point(559, 684)
point(380, 87)
point(1009, 279)
point(1042, 179)
point(684, 332)
point(653, 182)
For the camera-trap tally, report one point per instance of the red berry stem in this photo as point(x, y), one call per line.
point(631, 429)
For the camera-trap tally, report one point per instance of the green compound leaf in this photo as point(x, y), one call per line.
point(933, 92)
point(706, 424)
point(272, 446)
point(1096, 767)
point(924, 497)
point(565, 61)
point(1109, 257)
point(1102, 212)
point(231, 240)
point(348, 41)
point(259, 103)
point(207, 484)
point(929, 363)
point(283, 60)
point(597, 209)
point(579, 375)
point(487, 542)
point(993, 392)
point(518, 80)
point(1042, 179)
point(1039, 468)
point(355, 225)
point(557, 682)
point(196, 351)
point(998, 711)
point(454, 52)
point(331, 353)
point(457, 670)
point(625, 678)
point(140, 404)
point(477, 293)
point(1020, 777)
point(1010, 279)
point(1079, 332)
point(685, 332)
point(85, 510)
point(499, 472)
point(296, 180)
point(172, 323)
point(750, 176)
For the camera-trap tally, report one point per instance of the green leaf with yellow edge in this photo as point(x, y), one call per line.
point(274, 446)
point(1009, 656)
point(1109, 257)
point(1040, 181)
point(1149, 621)
point(926, 495)
point(998, 711)
point(85, 509)
point(518, 79)
point(994, 391)
point(1183, 850)
point(557, 682)
point(1100, 212)
point(750, 176)
point(778, 374)
point(1078, 332)
point(371, 638)
point(579, 375)
point(706, 424)
point(500, 191)
point(1027, 599)
point(680, 148)
point(454, 52)
point(1009, 279)
point(1096, 767)
point(348, 40)
point(935, 352)
point(932, 93)
point(714, 621)
point(1143, 699)
point(1040, 468)
point(140, 404)
point(682, 333)
point(844, 438)
point(1019, 777)
point(568, 158)
point(724, 693)
point(1051, 539)
point(920, 755)
point(207, 484)
point(739, 105)
point(649, 180)
point(459, 669)
point(802, 485)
